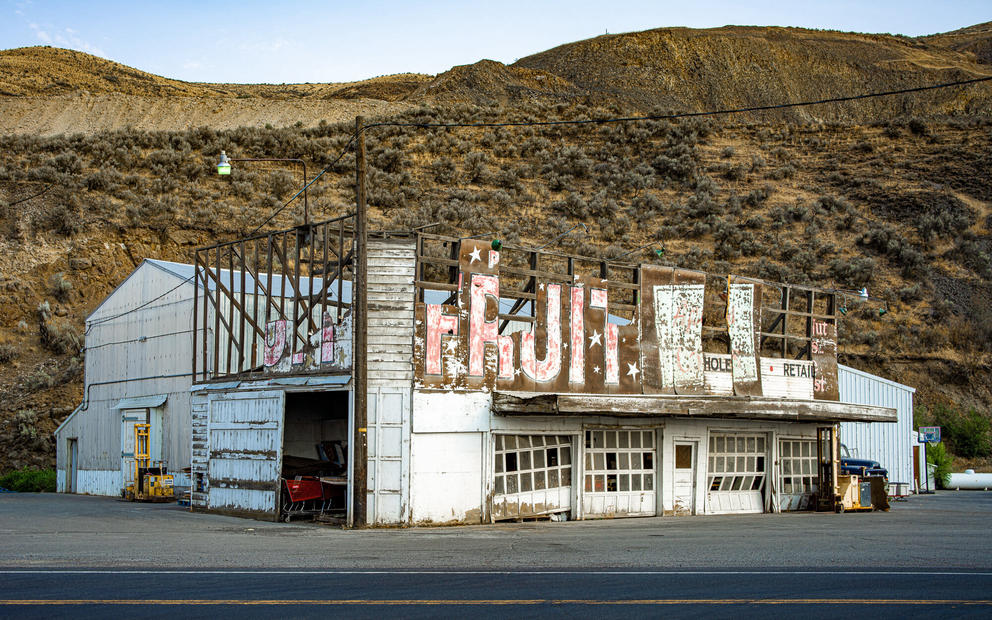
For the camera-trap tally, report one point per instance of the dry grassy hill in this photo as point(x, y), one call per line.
point(683, 69)
point(895, 196)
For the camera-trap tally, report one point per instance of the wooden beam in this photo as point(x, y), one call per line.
point(527, 403)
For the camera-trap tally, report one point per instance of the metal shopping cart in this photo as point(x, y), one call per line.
point(302, 496)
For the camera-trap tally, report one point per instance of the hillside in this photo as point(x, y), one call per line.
point(694, 70)
point(50, 91)
point(974, 40)
point(900, 204)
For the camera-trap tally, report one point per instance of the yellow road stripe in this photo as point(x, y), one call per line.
point(664, 601)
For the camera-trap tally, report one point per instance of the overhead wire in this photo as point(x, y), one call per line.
point(620, 119)
point(41, 193)
point(623, 119)
point(136, 308)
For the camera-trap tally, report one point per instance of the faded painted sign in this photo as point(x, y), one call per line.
point(743, 327)
point(574, 345)
point(328, 349)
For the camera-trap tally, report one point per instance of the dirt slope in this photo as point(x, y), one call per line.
point(694, 70)
point(975, 40)
point(51, 91)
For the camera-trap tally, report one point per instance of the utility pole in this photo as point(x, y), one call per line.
point(360, 315)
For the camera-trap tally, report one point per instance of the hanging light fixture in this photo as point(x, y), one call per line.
point(224, 166)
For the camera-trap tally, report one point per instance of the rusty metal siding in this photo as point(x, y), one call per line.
point(391, 269)
point(889, 444)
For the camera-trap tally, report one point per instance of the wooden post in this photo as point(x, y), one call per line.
point(360, 314)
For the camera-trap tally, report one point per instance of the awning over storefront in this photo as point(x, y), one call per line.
point(142, 402)
point(738, 407)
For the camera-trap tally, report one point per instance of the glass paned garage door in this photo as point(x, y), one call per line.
point(736, 474)
point(533, 475)
point(796, 473)
point(620, 473)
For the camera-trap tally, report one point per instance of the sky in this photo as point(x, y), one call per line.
point(247, 41)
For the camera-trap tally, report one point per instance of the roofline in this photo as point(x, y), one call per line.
point(78, 408)
point(144, 261)
point(868, 375)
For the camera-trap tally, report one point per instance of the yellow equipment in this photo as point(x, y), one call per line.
point(855, 493)
point(838, 492)
point(150, 484)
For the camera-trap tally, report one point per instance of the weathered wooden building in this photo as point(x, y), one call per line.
point(501, 382)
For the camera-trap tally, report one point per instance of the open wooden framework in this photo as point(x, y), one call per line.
point(788, 311)
point(297, 275)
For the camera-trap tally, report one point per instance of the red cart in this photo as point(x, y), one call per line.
point(302, 496)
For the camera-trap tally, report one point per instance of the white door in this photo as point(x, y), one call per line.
point(796, 473)
point(736, 473)
point(685, 478)
point(533, 475)
point(73, 475)
point(619, 473)
point(129, 417)
point(244, 438)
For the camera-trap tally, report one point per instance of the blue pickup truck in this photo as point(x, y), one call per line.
point(862, 467)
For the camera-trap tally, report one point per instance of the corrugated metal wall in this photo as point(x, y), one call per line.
point(392, 267)
point(146, 345)
point(889, 444)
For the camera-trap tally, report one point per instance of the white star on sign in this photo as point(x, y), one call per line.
point(451, 344)
point(595, 369)
point(595, 338)
point(633, 370)
point(475, 255)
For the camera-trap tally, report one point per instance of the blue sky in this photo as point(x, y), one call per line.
point(334, 41)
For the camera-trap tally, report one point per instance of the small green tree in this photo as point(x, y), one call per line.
point(938, 457)
point(969, 434)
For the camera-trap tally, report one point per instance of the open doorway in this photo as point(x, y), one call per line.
point(315, 456)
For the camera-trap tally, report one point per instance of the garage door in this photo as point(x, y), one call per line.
point(533, 475)
point(736, 474)
point(619, 474)
point(245, 451)
point(796, 473)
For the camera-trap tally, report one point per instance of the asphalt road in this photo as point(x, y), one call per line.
point(94, 557)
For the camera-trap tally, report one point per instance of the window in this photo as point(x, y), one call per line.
point(619, 461)
point(797, 466)
point(736, 463)
point(532, 463)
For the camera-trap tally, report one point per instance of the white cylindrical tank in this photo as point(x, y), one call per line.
point(970, 481)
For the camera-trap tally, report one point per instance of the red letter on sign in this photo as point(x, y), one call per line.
point(480, 330)
point(577, 368)
point(548, 368)
point(437, 325)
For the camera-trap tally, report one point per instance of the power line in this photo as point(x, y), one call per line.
point(592, 121)
point(42, 192)
point(136, 308)
point(320, 174)
point(655, 117)
point(625, 119)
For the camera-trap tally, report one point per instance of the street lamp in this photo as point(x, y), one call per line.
point(224, 169)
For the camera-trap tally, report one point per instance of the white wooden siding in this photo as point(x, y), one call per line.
point(391, 270)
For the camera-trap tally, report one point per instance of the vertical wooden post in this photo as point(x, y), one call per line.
point(196, 318)
point(360, 314)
